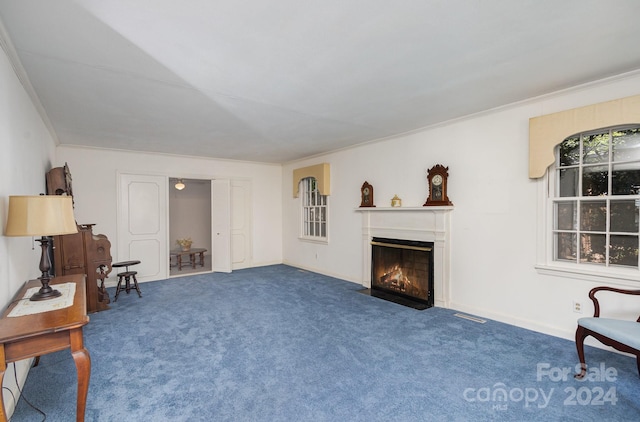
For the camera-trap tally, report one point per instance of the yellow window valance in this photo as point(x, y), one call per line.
point(321, 172)
point(545, 132)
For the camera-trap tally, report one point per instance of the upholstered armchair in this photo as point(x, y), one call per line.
point(619, 334)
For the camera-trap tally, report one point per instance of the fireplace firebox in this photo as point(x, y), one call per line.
point(402, 271)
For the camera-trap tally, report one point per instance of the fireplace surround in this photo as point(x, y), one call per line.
point(423, 224)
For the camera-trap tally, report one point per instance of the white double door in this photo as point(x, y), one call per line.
point(143, 224)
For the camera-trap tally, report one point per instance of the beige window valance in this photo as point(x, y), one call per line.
point(545, 132)
point(321, 172)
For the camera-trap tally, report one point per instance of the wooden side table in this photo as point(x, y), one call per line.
point(47, 332)
point(192, 256)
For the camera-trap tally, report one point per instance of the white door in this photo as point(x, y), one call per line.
point(221, 225)
point(142, 224)
point(241, 224)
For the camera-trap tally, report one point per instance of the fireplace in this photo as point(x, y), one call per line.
point(402, 271)
point(424, 224)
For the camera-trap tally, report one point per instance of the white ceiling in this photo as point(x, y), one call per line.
point(278, 80)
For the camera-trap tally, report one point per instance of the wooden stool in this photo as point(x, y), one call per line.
point(126, 277)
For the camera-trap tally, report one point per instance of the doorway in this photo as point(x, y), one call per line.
point(190, 218)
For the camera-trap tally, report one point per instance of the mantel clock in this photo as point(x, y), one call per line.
point(437, 180)
point(366, 193)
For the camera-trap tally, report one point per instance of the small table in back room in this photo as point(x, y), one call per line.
point(192, 256)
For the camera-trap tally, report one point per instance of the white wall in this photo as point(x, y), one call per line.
point(27, 151)
point(494, 224)
point(95, 173)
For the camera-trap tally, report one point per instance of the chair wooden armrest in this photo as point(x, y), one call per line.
point(619, 334)
point(596, 304)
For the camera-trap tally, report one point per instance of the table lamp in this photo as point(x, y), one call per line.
point(44, 215)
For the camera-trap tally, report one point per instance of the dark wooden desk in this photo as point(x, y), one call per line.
point(38, 334)
point(192, 256)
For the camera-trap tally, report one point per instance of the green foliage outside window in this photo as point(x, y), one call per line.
point(598, 183)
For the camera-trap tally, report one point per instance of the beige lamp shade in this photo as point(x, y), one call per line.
point(43, 215)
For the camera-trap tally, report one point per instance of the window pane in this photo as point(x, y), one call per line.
point(594, 181)
point(313, 210)
point(625, 179)
point(626, 145)
point(593, 248)
point(566, 246)
point(624, 217)
point(595, 148)
point(570, 151)
point(592, 168)
point(593, 216)
point(624, 250)
point(566, 215)
point(569, 182)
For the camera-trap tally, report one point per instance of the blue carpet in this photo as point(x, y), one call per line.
point(281, 344)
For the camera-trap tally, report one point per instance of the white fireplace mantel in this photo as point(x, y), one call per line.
point(426, 224)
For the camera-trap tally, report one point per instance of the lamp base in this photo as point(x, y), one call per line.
point(45, 292)
point(40, 295)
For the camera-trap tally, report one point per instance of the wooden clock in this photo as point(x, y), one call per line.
point(437, 180)
point(366, 193)
point(59, 181)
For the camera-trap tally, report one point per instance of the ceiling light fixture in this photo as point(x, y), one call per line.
point(179, 185)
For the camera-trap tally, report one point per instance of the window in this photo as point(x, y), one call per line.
point(314, 211)
point(594, 198)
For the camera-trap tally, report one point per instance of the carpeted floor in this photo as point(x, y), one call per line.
point(281, 344)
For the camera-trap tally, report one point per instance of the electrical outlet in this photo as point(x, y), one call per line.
point(577, 307)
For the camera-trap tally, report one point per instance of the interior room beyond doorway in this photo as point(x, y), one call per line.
point(189, 219)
